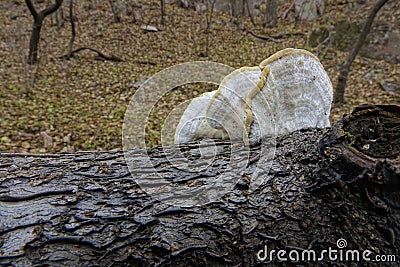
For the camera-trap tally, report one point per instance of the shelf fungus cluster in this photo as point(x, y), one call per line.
point(288, 91)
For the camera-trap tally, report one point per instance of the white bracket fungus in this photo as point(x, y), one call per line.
point(288, 91)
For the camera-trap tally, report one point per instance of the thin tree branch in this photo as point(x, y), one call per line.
point(36, 27)
point(32, 9)
point(73, 33)
point(288, 10)
point(345, 69)
point(47, 11)
point(327, 40)
point(250, 13)
point(115, 12)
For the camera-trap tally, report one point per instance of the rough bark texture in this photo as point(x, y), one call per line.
point(86, 209)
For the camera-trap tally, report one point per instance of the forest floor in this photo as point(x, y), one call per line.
point(79, 104)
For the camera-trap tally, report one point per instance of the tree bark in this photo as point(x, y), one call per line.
point(162, 6)
point(345, 68)
point(237, 7)
point(73, 32)
point(34, 41)
point(115, 11)
point(270, 15)
point(38, 18)
point(209, 19)
point(86, 209)
point(250, 10)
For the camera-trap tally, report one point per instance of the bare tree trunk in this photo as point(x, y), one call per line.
point(59, 18)
point(72, 21)
point(210, 11)
point(34, 42)
point(345, 68)
point(115, 12)
point(270, 15)
point(235, 6)
point(86, 209)
point(250, 12)
point(38, 18)
point(162, 4)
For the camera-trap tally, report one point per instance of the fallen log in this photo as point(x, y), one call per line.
point(323, 191)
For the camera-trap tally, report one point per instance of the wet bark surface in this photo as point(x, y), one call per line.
point(86, 209)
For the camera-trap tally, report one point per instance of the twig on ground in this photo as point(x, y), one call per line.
point(100, 55)
point(264, 37)
point(274, 38)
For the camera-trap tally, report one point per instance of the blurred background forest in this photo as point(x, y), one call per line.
point(74, 99)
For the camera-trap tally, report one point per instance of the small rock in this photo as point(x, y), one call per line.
point(149, 28)
point(390, 87)
point(200, 7)
point(306, 9)
point(47, 139)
